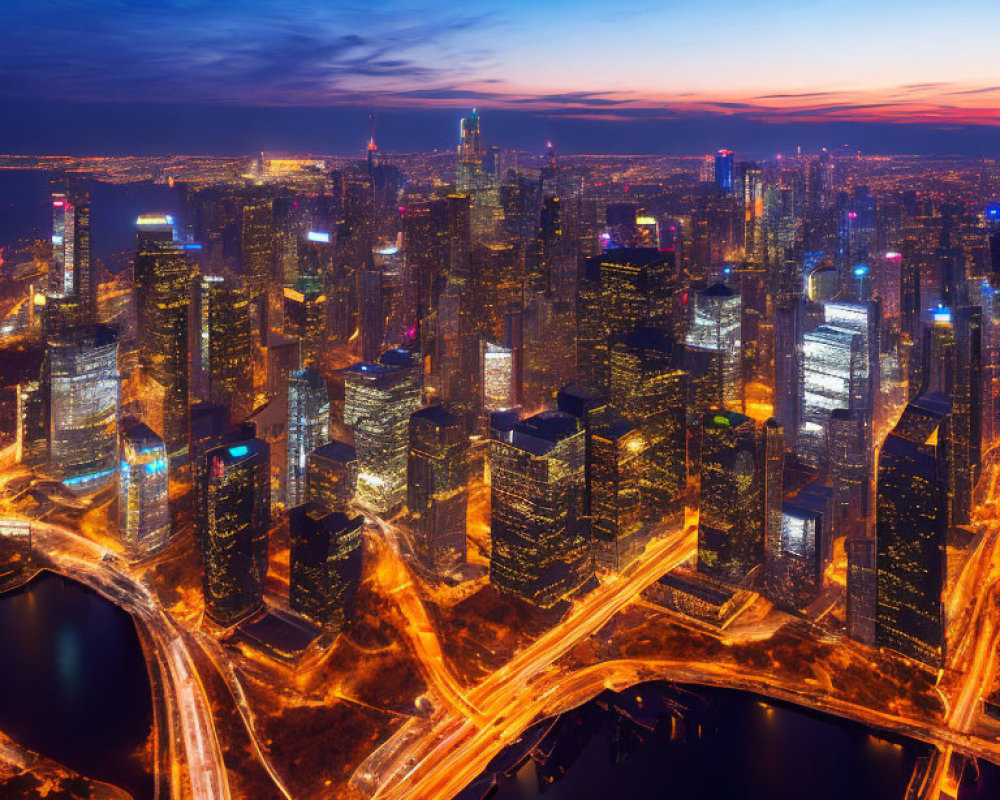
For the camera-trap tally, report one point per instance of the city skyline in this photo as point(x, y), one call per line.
point(406, 401)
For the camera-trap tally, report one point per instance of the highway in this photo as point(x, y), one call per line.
point(80, 559)
point(421, 763)
point(437, 757)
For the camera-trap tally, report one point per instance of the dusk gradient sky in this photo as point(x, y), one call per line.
point(73, 73)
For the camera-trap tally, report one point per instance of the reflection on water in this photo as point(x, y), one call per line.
point(709, 744)
point(73, 681)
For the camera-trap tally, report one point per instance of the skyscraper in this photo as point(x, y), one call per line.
point(308, 428)
point(724, 171)
point(731, 522)
point(797, 558)
point(223, 351)
point(498, 377)
point(379, 399)
point(540, 550)
point(325, 564)
point(81, 370)
point(714, 354)
point(256, 251)
point(332, 474)
point(650, 391)
point(143, 489)
point(614, 450)
point(306, 319)
point(953, 365)
point(32, 423)
point(437, 488)
point(237, 513)
point(619, 291)
point(71, 276)
point(476, 178)
point(861, 582)
point(911, 530)
point(754, 242)
point(834, 375)
point(848, 464)
point(162, 278)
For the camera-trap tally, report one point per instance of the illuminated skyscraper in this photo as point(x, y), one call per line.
point(256, 251)
point(714, 353)
point(650, 391)
point(71, 276)
point(754, 242)
point(834, 375)
point(437, 488)
point(223, 352)
point(473, 178)
point(540, 550)
point(848, 469)
point(332, 474)
point(371, 314)
point(308, 428)
point(81, 370)
point(162, 279)
point(953, 365)
point(787, 363)
point(325, 564)
point(458, 350)
point(724, 171)
point(911, 530)
point(143, 489)
point(731, 522)
point(32, 424)
point(619, 291)
point(797, 558)
point(614, 448)
point(379, 399)
point(306, 318)
point(498, 377)
point(237, 511)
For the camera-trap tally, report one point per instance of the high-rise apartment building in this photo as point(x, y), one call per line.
point(378, 401)
point(540, 550)
point(911, 530)
point(324, 564)
point(81, 372)
point(162, 278)
point(308, 428)
point(237, 518)
point(437, 487)
point(143, 489)
point(731, 521)
point(332, 475)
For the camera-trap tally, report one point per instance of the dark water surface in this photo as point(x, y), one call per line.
point(729, 746)
point(26, 208)
point(73, 681)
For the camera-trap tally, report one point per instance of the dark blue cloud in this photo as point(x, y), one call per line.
point(252, 51)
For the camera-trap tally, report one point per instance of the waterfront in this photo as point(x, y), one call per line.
point(728, 744)
point(73, 682)
point(27, 208)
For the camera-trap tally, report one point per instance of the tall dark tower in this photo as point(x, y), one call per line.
point(731, 525)
point(911, 524)
point(162, 279)
point(237, 509)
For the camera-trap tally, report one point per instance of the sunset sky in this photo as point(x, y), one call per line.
point(664, 63)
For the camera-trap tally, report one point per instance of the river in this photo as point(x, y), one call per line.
point(723, 745)
point(73, 681)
